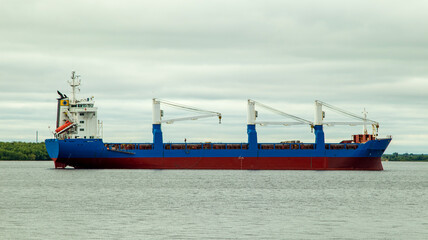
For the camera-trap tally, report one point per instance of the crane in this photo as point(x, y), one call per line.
point(319, 115)
point(253, 114)
point(158, 113)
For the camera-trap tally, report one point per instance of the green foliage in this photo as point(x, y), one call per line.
point(405, 157)
point(23, 151)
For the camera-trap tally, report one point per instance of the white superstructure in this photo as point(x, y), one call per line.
point(77, 118)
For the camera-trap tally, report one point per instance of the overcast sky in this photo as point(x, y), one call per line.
point(215, 55)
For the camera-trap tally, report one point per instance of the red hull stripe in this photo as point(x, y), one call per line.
point(232, 163)
point(59, 164)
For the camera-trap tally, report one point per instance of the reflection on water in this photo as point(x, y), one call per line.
point(39, 202)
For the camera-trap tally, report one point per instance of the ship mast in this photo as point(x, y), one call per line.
point(365, 121)
point(75, 82)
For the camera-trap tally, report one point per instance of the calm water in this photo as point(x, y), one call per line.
point(39, 202)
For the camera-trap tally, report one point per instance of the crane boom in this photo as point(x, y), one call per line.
point(170, 121)
point(344, 123)
point(157, 113)
point(338, 110)
point(188, 108)
point(280, 123)
point(298, 119)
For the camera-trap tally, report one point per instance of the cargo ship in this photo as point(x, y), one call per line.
point(78, 142)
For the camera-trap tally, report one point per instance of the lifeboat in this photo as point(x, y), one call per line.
point(64, 127)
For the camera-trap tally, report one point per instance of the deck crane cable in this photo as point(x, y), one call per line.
point(300, 120)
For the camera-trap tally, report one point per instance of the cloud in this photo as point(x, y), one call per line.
point(215, 55)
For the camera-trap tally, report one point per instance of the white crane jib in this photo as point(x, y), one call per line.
point(319, 115)
point(252, 115)
point(158, 113)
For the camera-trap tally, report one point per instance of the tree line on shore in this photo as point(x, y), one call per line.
point(37, 151)
point(23, 151)
point(405, 157)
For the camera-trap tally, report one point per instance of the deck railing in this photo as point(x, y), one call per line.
point(231, 146)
